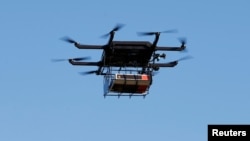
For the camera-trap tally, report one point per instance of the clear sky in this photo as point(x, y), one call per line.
point(45, 101)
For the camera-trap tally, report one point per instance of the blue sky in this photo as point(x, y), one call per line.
point(44, 101)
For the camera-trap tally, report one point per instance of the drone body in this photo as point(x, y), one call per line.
point(127, 66)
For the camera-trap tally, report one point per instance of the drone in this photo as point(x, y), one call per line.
point(127, 67)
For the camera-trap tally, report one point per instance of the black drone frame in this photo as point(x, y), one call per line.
point(140, 54)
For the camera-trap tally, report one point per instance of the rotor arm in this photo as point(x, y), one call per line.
point(170, 48)
point(81, 46)
point(181, 48)
point(158, 65)
point(77, 63)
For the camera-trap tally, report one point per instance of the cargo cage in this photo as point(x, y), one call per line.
point(126, 84)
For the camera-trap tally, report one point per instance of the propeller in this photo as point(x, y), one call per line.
point(155, 33)
point(58, 60)
point(80, 58)
point(182, 59)
point(183, 41)
point(88, 72)
point(74, 59)
point(170, 64)
point(116, 28)
point(69, 40)
point(94, 72)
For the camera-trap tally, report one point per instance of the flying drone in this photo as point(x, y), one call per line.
point(128, 67)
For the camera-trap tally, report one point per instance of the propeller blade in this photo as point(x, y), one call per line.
point(170, 31)
point(181, 59)
point(116, 28)
point(154, 33)
point(146, 33)
point(74, 59)
point(105, 35)
point(88, 72)
point(58, 60)
point(69, 40)
point(184, 58)
point(80, 58)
